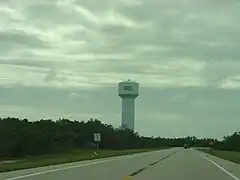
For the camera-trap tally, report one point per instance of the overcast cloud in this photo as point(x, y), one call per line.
point(64, 58)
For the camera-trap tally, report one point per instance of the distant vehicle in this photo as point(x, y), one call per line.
point(186, 146)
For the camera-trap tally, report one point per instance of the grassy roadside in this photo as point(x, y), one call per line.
point(75, 155)
point(228, 155)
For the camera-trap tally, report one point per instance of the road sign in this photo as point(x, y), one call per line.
point(97, 137)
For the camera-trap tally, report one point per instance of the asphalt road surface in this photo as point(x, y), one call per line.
point(169, 164)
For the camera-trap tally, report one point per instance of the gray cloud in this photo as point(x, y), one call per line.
point(51, 76)
point(64, 58)
point(25, 62)
point(20, 38)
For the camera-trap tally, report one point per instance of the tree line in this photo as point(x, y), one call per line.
point(20, 137)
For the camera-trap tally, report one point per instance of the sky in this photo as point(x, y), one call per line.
point(64, 59)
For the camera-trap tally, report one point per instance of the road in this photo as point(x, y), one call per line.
point(168, 164)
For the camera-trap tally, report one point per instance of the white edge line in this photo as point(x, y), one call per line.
point(59, 169)
point(221, 168)
point(80, 165)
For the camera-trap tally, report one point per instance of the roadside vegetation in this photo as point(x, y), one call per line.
point(46, 142)
point(68, 157)
point(228, 155)
point(228, 148)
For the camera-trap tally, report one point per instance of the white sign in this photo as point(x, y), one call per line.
point(97, 137)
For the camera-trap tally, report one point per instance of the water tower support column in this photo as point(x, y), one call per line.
point(128, 112)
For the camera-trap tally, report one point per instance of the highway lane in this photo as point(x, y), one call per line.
point(189, 165)
point(170, 164)
point(116, 167)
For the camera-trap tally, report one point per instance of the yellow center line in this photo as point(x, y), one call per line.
point(127, 178)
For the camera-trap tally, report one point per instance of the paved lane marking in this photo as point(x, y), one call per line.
point(127, 178)
point(221, 168)
point(150, 165)
point(137, 172)
point(79, 165)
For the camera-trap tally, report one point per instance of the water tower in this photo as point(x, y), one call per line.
point(128, 91)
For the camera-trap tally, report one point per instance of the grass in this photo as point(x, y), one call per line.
point(73, 156)
point(228, 155)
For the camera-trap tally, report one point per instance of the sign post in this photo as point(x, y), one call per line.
point(97, 138)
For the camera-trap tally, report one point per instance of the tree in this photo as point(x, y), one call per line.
point(20, 137)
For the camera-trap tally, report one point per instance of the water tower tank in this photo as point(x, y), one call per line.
point(128, 88)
